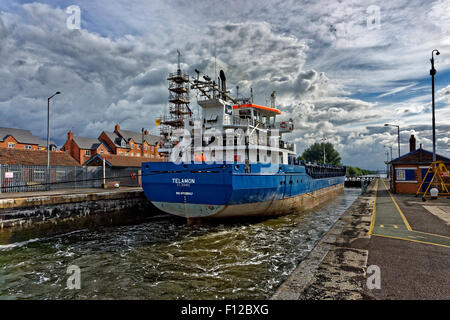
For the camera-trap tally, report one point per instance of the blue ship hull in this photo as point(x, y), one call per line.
point(215, 190)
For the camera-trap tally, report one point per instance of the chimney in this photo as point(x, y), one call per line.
point(70, 135)
point(146, 132)
point(116, 128)
point(412, 143)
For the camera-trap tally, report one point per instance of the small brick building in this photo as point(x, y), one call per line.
point(36, 158)
point(409, 170)
point(20, 139)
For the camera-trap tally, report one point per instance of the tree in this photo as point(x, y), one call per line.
point(355, 171)
point(315, 154)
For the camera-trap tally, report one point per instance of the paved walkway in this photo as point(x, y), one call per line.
point(407, 239)
point(410, 245)
point(389, 220)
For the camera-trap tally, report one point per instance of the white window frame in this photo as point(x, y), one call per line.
point(11, 145)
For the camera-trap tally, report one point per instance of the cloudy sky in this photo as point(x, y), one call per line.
point(341, 69)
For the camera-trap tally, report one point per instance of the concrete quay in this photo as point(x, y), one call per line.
point(406, 239)
point(30, 215)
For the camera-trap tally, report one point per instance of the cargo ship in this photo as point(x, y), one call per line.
point(230, 160)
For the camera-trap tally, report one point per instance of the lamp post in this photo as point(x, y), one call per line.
point(432, 73)
point(48, 136)
point(387, 154)
point(387, 163)
point(324, 139)
point(398, 128)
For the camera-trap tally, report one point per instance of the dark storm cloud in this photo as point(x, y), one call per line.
point(96, 75)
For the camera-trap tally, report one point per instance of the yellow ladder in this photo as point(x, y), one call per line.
point(440, 175)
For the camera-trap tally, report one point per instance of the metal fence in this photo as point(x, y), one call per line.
point(20, 178)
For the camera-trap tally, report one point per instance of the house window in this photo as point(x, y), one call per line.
point(145, 147)
point(87, 153)
point(126, 154)
point(146, 155)
point(132, 154)
point(102, 151)
point(120, 153)
point(28, 147)
point(11, 145)
point(131, 145)
point(138, 147)
point(152, 156)
point(406, 174)
point(151, 148)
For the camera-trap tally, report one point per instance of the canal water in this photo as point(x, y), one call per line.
point(164, 259)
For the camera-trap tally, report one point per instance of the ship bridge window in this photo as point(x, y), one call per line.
point(244, 114)
point(264, 120)
point(212, 119)
point(272, 121)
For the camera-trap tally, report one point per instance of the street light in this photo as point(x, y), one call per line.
point(48, 136)
point(432, 73)
point(398, 128)
point(387, 163)
point(324, 139)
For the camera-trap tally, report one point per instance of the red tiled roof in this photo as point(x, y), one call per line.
point(36, 158)
point(119, 161)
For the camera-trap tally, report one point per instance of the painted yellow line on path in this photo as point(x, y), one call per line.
point(432, 234)
point(374, 209)
point(399, 238)
point(398, 208)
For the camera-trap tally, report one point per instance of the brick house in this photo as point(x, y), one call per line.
point(408, 171)
point(132, 144)
point(122, 143)
point(82, 149)
point(19, 139)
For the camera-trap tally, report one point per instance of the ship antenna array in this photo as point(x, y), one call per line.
point(209, 88)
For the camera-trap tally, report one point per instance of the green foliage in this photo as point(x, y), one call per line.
point(315, 154)
point(355, 171)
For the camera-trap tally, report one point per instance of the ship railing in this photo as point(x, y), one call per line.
point(175, 85)
point(179, 75)
point(286, 145)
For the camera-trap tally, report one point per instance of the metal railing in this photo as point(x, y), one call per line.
point(21, 178)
